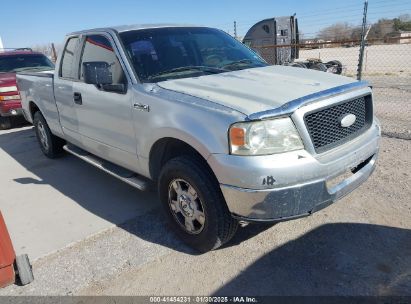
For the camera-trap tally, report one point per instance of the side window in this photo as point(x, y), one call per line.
point(99, 48)
point(67, 63)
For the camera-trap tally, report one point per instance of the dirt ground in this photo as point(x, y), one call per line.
point(378, 59)
point(360, 245)
point(392, 101)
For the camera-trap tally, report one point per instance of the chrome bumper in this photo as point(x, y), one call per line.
point(291, 202)
point(301, 182)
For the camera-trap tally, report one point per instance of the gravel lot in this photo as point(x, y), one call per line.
point(378, 59)
point(358, 246)
point(392, 101)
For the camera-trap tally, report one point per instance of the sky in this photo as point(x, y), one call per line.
point(35, 22)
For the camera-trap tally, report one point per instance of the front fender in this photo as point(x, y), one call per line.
point(199, 123)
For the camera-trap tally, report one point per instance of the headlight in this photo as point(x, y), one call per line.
point(264, 137)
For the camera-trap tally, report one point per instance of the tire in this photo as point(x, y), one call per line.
point(51, 145)
point(334, 66)
point(24, 269)
point(5, 123)
point(211, 222)
point(319, 67)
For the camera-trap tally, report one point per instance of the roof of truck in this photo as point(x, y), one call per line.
point(133, 27)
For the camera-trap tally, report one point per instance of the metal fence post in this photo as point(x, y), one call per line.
point(362, 43)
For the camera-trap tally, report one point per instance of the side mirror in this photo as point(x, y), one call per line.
point(97, 72)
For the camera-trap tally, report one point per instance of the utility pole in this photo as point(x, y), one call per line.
point(53, 53)
point(363, 39)
point(235, 29)
point(1, 45)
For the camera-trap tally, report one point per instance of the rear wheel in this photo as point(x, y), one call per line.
point(334, 66)
point(50, 144)
point(5, 123)
point(319, 67)
point(194, 204)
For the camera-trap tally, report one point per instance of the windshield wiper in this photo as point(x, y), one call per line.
point(202, 68)
point(238, 63)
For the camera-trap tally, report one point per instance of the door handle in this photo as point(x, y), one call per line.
point(77, 98)
point(141, 107)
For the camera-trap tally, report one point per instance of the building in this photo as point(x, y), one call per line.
point(401, 37)
point(405, 37)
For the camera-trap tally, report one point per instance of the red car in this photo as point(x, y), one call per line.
point(12, 62)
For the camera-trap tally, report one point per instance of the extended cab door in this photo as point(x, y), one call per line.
point(63, 88)
point(104, 117)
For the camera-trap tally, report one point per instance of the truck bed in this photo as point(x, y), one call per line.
point(38, 87)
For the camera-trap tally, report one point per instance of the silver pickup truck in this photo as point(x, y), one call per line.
point(226, 138)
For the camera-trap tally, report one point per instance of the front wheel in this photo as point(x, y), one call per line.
point(194, 204)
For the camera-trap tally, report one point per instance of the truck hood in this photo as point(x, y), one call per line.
point(257, 89)
point(7, 79)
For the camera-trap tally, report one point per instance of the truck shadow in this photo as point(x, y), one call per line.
point(18, 122)
point(106, 197)
point(333, 259)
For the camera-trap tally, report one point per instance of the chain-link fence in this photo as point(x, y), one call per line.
point(386, 66)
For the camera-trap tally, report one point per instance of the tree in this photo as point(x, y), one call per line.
point(339, 31)
point(404, 17)
point(356, 33)
point(402, 23)
point(381, 29)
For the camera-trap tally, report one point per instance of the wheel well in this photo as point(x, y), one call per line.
point(167, 148)
point(33, 109)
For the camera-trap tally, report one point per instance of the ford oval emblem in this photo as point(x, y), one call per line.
point(347, 120)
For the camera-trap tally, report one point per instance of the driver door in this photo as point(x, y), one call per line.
point(105, 118)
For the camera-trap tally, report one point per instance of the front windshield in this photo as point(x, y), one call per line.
point(24, 62)
point(169, 53)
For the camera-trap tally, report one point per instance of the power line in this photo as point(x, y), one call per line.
point(377, 8)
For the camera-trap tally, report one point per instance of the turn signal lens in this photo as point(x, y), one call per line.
point(237, 136)
point(11, 97)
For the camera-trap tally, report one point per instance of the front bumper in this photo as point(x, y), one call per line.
point(291, 202)
point(300, 181)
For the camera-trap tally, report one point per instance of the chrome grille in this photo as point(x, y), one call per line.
point(324, 126)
